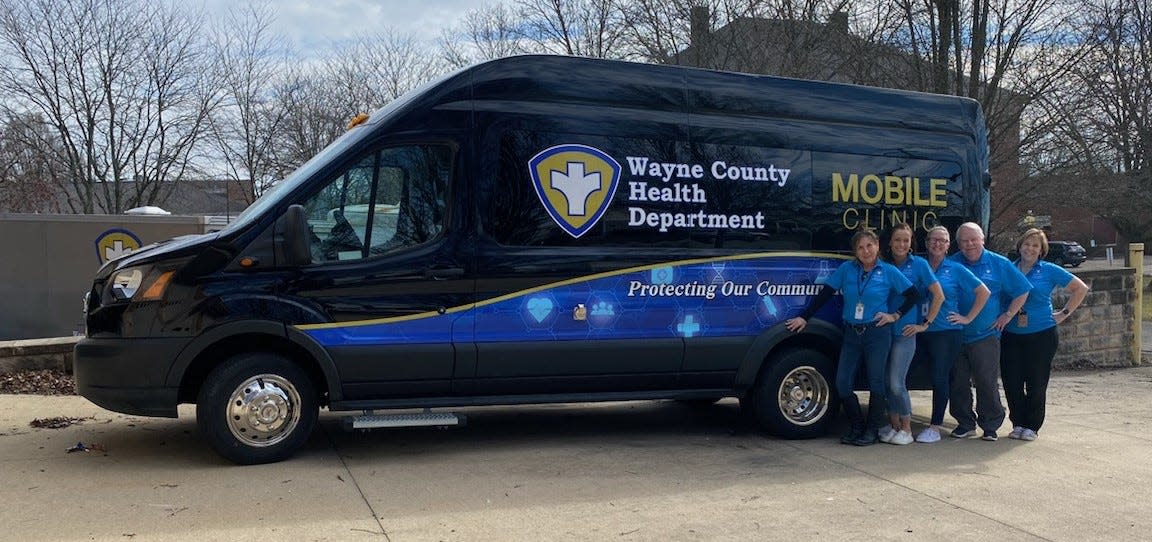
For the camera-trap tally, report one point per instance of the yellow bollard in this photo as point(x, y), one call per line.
point(1136, 259)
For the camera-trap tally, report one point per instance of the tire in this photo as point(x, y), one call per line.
point(257, 408)
point(794, 397)
point(1059, 261)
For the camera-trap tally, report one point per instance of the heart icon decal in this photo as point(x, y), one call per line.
point(539, 308)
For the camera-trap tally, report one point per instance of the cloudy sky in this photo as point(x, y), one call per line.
point(317, 23)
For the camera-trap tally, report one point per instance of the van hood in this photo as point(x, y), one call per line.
point(153, 251)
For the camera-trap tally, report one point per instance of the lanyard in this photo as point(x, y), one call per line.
point(862, 285)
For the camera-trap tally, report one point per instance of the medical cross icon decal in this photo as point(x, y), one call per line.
point(576, 184)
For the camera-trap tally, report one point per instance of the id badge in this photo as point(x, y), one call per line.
point(1022, 319)
point(859, 312)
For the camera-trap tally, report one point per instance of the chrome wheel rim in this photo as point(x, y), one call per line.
point(804, 395)
point(263, 410)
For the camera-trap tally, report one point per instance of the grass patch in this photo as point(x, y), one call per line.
point(1147, 305)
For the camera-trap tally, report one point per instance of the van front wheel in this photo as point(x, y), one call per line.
point(793, 397)
point(256, 408)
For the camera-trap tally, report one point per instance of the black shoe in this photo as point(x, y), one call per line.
point(853, 433)
point(867, 438)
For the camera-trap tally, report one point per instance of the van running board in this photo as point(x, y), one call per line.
point(370, 420)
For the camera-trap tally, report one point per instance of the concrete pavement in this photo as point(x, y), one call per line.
point(627, 471)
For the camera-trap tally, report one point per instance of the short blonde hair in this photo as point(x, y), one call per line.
point(1034, 232)
point(934, 229)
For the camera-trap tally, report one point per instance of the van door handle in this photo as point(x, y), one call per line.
point(444, 273)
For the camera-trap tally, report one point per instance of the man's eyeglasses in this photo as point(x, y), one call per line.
point(938, 241)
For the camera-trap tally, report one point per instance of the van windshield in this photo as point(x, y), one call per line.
point(346, 140)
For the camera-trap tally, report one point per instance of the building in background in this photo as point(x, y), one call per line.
point(830, 52)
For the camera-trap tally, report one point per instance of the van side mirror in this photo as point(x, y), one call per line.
point(293, 246)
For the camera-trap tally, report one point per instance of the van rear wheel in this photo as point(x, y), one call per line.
point(257, 408)
point(793, 397)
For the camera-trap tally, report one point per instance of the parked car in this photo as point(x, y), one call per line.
point(1066, 253)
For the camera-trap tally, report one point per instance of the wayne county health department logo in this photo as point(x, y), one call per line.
point(576, 184)
point(115, 243)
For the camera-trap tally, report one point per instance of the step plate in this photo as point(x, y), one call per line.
point(423, 419)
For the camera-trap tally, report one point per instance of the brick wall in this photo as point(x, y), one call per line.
point(1100, 333)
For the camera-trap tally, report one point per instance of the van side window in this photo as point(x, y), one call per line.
point(389, 200)
point(772, 184)
point(512, 213)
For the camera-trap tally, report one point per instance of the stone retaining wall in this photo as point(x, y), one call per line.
point(55, 353)
point(1101, 332)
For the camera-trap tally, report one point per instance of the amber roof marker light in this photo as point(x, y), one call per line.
point(357, 120)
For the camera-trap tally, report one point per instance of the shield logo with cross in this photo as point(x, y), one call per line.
point(576, 184)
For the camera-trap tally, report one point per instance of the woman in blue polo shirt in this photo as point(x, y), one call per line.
point(939, 340)
point(1030, 339)
point(904, 331)
point(867, 286)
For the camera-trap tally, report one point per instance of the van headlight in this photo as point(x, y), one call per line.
point(127, 282)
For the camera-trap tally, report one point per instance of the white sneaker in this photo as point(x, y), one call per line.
point(1016, 432)
point(901, 438)
point(928, 435)
point(886, 433)
point(1028, 434)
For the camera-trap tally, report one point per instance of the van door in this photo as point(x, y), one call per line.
point(554, 312)
point(388, 273)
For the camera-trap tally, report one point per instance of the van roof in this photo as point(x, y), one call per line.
point(578, 80)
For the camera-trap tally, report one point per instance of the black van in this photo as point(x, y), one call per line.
point(536, 229)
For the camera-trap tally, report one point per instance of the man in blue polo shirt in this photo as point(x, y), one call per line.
point(979, 362)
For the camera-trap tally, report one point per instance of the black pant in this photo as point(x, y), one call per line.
point(1025, 366)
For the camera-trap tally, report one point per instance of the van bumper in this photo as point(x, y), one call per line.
point(128, 375)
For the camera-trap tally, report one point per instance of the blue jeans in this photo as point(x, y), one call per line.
point(871, 347)
point(899, 359)
point(940, 348)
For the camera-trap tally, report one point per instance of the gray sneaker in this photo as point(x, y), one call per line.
point(1028, 435)
point(886, 433)
point(1016, 431)
point(989, 436)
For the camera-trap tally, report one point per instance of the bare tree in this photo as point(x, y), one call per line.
point(121, 82)
point(311, 121)
point(486, 33)
point(660, 29)
point(1008, 55)
point(249, 59)
point(1107, 134)
point(1117, 82)
point(30, 168)
point(376, 69)
point(592, 28)
point(317, 101)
